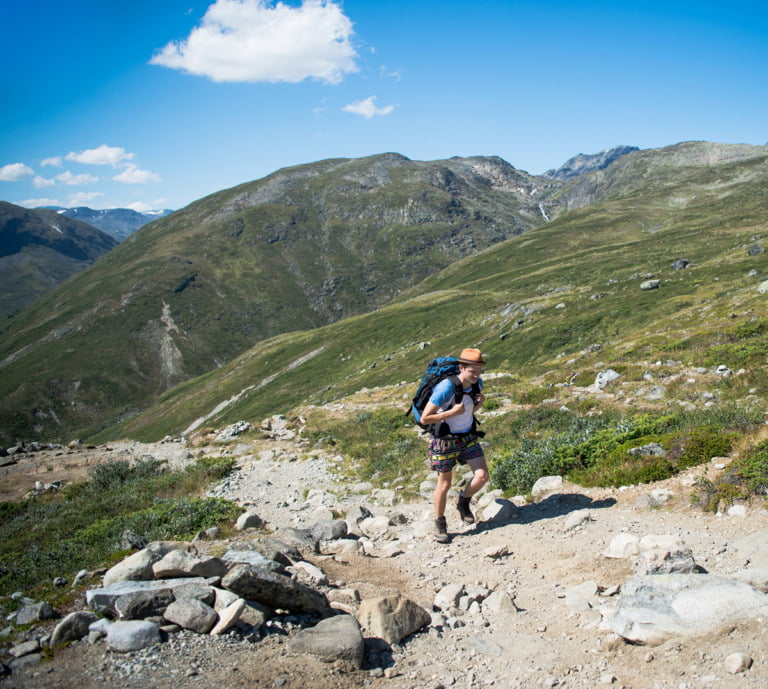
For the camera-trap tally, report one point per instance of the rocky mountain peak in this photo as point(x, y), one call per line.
point(583, 163)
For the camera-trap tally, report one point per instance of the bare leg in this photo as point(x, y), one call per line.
point(444, 481)
point(479, 476)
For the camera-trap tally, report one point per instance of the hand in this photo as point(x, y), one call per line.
point(479, 399)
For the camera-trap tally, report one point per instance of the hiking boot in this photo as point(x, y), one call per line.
point(441, 531)
point(462, 504)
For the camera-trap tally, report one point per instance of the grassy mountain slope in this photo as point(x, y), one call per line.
point(558, 303)
point(301, 248)
point(40, 249)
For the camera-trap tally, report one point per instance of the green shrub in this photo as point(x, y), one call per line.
point(595, 450)
point(701, 443)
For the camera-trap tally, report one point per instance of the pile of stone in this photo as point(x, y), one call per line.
point(167, 587)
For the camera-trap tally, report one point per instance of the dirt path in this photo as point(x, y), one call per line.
point(544, 644)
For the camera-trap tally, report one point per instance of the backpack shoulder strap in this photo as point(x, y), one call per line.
point(458, 389)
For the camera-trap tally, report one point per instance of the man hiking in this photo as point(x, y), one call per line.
point(455, 438)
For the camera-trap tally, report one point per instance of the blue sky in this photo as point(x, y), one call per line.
point(148, 104)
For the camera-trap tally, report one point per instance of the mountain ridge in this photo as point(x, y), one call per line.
point(318, 249)
point(39, 249)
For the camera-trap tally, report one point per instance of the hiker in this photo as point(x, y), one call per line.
point(455, 438)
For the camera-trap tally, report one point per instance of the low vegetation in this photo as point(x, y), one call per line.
point(81, 528)
point(381, 446)
point(745, 478)
point(612, 448)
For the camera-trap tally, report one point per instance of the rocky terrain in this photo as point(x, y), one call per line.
point(524, 598)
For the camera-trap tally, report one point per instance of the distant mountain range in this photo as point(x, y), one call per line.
point(326, 277)
point(118, 222)
point(40, 249)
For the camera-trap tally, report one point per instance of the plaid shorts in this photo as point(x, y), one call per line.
point(445, 452)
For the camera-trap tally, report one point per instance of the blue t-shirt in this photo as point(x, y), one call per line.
point(444, 397)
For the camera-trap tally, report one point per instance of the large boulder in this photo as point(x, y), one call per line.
point(655, 608)
point(274, 590)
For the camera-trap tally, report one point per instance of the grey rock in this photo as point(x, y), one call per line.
point(738, 662)
point(25, 648)
point(753, 549)
point(546, 484)
point(758, 578)
point(448, 596)
point(337, 639)
point(25, 661)
point(132, 635)
point(499, 511)
point(191, 614)
point(138, 567)
point(653, 609)
point(251, 557)
point(392, 618)
point(275, 590)
point(180, 563)
point(623, 545)
point(255, 614)
point(676, 561)
point(132, 541)
point(356, 514)
point(299, 538)
point(577, 519)
point(249, 520)
point(499, 602)
point(329, 529)
point(650, 284)
point(103, 600)
point(603, 378)
point(72, 628)
point(648, 450)
point(228, 617)
point(272, 549)
point(35, 612)
point(141, 604)
point(680, 264)
point(196, 590)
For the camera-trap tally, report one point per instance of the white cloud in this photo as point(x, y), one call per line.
point(15, 172)
point(103, 155)
point(83, 198)
point(134, 175)
point(248, 40)
point(139, 207)
point(55, 161)
point(68, 178)
point(367, 108)
point(43, 182)
point(36, 203)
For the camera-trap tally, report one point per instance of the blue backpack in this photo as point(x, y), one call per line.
point(438, 369)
